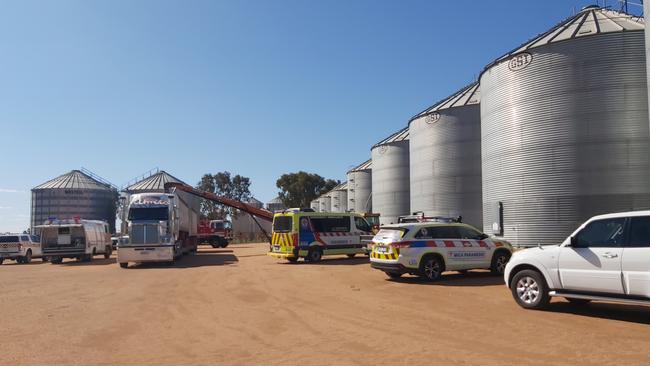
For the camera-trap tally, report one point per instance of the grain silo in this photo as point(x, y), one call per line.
point(339, 195)
point(564, 127)
point(360, 188)
point(325, 203)
point(390, 177)
point(275, 205)
point(78, 193)
point(646, 11)
point(247, 228)
point(315, 205)
point(445, 158)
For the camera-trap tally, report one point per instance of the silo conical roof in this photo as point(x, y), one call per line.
point(363, 166)
point(400, 135)
point(592, 20)
point(155, 182)
point(75, 179)
point(468, 95)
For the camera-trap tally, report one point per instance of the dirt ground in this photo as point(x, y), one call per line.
point(236, 306)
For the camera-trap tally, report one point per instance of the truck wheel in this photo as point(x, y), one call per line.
point(107, 252)
point(499, 261)
point(314, 255)
point(124, 265)
point(351, 255)
point(529, 289)
point(224, 244)
point(44, 259)
point(393, 275)
point(431, 268)
point(28, 257)
point(56, 260)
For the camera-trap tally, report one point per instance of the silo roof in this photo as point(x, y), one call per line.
point(75, 179)
point(363, 166)
point(275, 200)
point(341, 187)
point(592, 20)
point(400, 135)
point(468, 95)
point(155, 182)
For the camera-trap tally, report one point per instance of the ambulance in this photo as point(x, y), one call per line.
point(302, 233)
point(427, 249)
point(75, 238)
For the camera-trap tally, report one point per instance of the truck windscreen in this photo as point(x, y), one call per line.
point(148, 213)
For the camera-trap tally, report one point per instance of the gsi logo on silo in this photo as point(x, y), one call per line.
point(520, 61)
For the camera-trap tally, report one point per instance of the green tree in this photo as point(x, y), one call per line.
point(223, 184)
point(299, 189)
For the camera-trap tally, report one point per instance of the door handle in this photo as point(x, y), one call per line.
point(610, 255)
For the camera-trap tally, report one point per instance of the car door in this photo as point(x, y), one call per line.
point(476, 255)
point(592, 263)
point(636, 257)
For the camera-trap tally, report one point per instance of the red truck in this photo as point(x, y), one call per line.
point(215, 232)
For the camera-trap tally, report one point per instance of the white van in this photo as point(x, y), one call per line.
point(19, 247)
point(75, 238)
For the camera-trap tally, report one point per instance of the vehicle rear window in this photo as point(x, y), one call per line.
point(331, 224)
point(8, 239)
point(391, 233)
point(282, 224)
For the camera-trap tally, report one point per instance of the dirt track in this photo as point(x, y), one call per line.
point(238, 306)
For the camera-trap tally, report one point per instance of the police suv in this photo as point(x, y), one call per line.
point(428, 249)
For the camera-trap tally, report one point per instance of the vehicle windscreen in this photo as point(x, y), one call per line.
point(9, 239)
point(282, 224)
point(391, 233)
point(149, 213)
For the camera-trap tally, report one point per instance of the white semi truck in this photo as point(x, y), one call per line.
point(157, 227)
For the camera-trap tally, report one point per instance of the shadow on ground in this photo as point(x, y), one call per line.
point(329, 261)
point(455, 279)
point(201, 259)
point(95, 262)
point(611, 311)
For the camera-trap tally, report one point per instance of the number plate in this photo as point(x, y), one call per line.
point(381, 249)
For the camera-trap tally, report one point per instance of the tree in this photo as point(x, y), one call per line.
point(223, 184)
point(299, 189)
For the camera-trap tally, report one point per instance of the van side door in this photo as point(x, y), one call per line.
point(636, 257)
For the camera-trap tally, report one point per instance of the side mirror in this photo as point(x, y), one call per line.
point(573, 241)
point(483, 236)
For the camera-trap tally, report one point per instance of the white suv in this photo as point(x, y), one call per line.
point(19, 247)
point(607, 258)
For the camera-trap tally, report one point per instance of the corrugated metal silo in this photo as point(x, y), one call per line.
point(315, 205)
point(360, 188)
point(646, 12)
point(340, 198)
point(78, 193)
point(564, 125)
point(325, 203)
point(445, 145)
point(390, 177)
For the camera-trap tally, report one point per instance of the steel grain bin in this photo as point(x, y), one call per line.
point(445, 158)
point(315, 205)
point(360, 188)
point(390, 177)
point(564, 128)
point(339, 196)
point(325, 203)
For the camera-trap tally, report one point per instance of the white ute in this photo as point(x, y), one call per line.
point(20, 247)
point(606, 259)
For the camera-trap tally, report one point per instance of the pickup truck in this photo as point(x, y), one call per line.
point(606, 259)
point(20, 247)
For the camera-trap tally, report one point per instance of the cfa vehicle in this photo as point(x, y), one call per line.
point(217, 233)
point(159, 227)
point(302, 233)
point(607, 258)
point(427, 249)
point(75, 238)
point(20, 247)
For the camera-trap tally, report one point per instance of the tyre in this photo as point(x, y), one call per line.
point(351, 255)
point(2, 260)
point(431, 268)
point(44, 259)
point(56, 260)
point(393, 275)
point(499, 261)
point(224, 244)
point(529, 289)
point(124, 265)
point(20, 260)
point(107, 252)
point(578, 302)
point(314, 255)
point(293, 259)
point(28, 257)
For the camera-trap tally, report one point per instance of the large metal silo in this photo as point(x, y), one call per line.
point(315, 205)
point(78, 193)
point(646, 12)
point(325, 203)
point(390, 177)
point(564, 126)
point(340, 198)
point(360, 188)
point(445, 158)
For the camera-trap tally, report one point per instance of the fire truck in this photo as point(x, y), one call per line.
point(216, 233)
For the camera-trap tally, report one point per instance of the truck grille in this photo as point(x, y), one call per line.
point(144, 234)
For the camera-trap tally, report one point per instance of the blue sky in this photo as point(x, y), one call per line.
point(259, 88)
